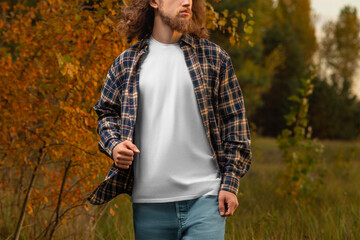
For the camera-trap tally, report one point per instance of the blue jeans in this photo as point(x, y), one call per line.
point(182, 220)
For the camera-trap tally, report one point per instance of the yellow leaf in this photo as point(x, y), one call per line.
point(222, 22)
point(30, 210)
point(108, 21)
point(112, 212)
point(234, 22)
point(225, 13)
point(251, 12)
point(232, 40)
point(91, 20)
point(248, 29)
point(243, 16)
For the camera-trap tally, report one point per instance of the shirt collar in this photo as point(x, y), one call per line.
point(186, 38)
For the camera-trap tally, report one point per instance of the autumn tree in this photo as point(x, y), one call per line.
point(53, 59)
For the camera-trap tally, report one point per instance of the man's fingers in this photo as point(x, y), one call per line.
point(123, 166)
point(131, 146)
point(228, 202)
point(221, 206)
point(124, 158)
point(126, 152)
point(124, 162)
point(231, 208)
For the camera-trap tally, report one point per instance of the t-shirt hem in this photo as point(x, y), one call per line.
point(174, 199)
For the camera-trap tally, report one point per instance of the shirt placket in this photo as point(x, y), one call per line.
point(135, 94)
point(200, 92)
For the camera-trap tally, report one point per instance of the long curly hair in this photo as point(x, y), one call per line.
point(137, 20)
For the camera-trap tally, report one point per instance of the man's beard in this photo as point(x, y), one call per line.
point(175, 23)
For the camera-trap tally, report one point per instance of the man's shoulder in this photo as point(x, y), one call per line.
point(130, 52)
point(128, 55)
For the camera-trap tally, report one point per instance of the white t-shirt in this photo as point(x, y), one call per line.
point(175, 161)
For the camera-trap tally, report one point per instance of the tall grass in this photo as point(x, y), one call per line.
point(333, 212)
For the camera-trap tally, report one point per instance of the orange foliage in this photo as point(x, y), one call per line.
point(54, 59)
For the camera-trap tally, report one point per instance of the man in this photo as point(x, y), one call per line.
point(174, 95)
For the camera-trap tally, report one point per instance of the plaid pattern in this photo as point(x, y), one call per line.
point(219, 98)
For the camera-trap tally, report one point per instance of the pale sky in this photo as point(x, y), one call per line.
point(329, 10)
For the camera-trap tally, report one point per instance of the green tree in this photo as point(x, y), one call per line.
point(293, 33)
point(334, 109)
point(340, 49)
point(253, 65)
point(301, 153)
point(331, 115)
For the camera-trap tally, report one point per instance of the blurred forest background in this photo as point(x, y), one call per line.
point(299, 96)
point(285, 45)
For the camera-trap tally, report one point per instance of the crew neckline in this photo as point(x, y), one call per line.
point(162, 44)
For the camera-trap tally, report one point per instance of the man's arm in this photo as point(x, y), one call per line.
point(108, 109)
point(234, 127)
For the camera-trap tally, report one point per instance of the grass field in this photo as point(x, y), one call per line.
point(332, 213)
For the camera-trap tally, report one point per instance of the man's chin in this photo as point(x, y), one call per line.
point(184, 26)
point(182, 30)
point(179, 24)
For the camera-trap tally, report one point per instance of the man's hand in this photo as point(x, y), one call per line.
point(123, 154)
point(230, 200)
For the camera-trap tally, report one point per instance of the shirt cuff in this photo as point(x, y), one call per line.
point(230, 183)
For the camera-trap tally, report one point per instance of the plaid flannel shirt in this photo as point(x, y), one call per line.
point(218, 96)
